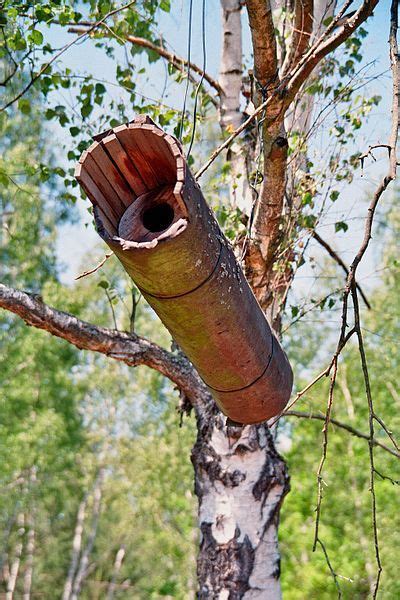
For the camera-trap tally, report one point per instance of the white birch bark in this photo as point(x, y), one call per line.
point(119, 557)
point(76, 549)
point(31, 535)
point(240, 482)
point(231, 81)
point(30, 549)
point(14, 569)
point(82, 571)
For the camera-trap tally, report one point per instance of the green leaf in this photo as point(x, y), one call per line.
point(36, 37)
point(86, 109)
point(4, 180)
point(12, 13)
point(308, 221)
point(100, 89)
point(341, 226)
point(295, 311)
point(74, 131)
point(17, 41)
point(24, 106)
point(307, 198)
point(165, 5)
point(334, 195)
point(103, 284)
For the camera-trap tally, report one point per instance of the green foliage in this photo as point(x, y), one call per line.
point(58, 426)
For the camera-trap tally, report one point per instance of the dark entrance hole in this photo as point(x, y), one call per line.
point(158, 218)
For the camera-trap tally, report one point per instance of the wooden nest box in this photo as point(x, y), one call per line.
point(151, 213)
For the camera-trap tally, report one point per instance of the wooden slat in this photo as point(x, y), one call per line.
point(113, 147)
point(135, 150)
point(101, 181)
point(155, 152)
point(122, 189)
point(157, 146)
point(95, 196)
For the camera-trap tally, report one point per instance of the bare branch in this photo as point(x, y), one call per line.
point(325, 432)
point(351, 289)
point(128, 348)
point(233, 136)
point(302, 31)
point(340, 262)
point(327, 43)
point(178, 62)
point(294, 80)
point(341, 425)
point(96, 268)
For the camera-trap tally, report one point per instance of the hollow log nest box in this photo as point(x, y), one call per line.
point(152, 214)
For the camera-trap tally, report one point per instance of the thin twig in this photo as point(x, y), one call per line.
point(180, 63)
point(96, 268)
point(325, 432)
point(351, 289)
point(339, 261)
point(332, 571)
point(341, 425)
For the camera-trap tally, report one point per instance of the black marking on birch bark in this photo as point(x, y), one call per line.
point(232, 564)
point(274, 472)
point(209, 461)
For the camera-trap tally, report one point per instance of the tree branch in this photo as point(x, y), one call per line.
point(264, 41)
point(302, 31)
point(341, 425)
point(297, 77)
point(326, 44)
point(178, 62)
point(128, 348)
point(340, 262)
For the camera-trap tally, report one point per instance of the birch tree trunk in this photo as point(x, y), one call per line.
point(240, 482)
point(240, 479)
point(240, 157)
point(30, 549)
point(31, 535)
point(119, 557)
point(76, 549)
point(83, 568)
point(14, 570)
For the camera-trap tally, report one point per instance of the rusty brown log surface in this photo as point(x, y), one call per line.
point(151, 213)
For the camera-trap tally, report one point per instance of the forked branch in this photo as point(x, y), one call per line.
point(339, 261)
point(341, 425)
point(128, 348)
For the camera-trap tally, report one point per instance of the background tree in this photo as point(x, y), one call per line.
point(276, 197)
